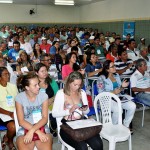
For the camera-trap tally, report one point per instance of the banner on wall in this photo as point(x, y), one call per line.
point(128, 28)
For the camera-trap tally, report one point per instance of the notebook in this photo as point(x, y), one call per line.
point(77, 124)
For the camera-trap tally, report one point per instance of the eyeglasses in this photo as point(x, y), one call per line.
point(112, 66)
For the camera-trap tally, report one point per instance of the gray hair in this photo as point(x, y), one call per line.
point(139, 63)
point(143, 48)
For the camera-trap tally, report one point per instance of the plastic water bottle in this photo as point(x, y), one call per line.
point(100, 85)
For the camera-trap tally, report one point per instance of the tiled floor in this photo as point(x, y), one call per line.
point(140, 138)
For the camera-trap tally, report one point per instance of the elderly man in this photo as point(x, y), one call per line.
point(140, 82)
point(144, 55)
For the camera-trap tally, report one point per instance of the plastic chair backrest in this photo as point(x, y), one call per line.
point(105, 99)
point(16, 121)
point(58, 120)
point(95, 89)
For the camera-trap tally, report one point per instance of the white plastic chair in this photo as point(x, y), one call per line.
point(17, 125)
point(63, 144)
point(110, 132)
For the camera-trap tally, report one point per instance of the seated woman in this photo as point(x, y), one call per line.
point(110, 82)
point(72, 98)
point(93, 67)
point(50, 87)
point(113, 54)
point(37, 52)
point(70, 65)
point(32, 113)
point(8, 92)
point(88, 50)
point(24, 63)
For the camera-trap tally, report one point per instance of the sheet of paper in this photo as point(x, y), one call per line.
point(83, 123)
point(24, 69)
point(5, 117)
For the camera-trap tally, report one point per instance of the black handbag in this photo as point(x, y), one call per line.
point(80, 134)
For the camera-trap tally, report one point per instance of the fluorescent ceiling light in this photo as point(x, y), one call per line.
point(64, 2)
point(59, 3)
point(6, 1)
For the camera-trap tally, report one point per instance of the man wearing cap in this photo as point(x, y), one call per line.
point(45, 47)
point(91, 40)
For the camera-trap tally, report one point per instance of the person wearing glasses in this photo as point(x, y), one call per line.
point(112, 83)
point(52, 70)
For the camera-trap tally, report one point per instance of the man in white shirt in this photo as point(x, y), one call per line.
point(133, 53)
point(140, 82)
point(25, 45)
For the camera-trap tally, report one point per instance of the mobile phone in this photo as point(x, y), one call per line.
point(83, 106)
point(127, 79)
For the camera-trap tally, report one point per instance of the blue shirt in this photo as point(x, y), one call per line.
point(91, 68)
point(53, 50)
point(108, 84)
point(13, 54)
point(83, 41)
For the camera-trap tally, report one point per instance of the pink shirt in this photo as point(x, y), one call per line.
point(66, 70)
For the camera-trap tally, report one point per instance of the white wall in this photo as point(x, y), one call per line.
point(12, 13)
point(113, 10)
point(107, 10)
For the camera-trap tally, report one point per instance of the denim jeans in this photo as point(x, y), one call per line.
point(129, 107)
point(144, 98)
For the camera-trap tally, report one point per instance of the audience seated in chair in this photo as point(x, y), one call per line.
point(32, 114)
point(72, 98)
point(140, 82)
point(112, 83)
point(8, 92)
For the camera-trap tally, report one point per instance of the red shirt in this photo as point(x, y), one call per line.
point(45, 48)
point(109, 56)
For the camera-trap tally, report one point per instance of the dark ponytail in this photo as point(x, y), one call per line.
point(24, 80)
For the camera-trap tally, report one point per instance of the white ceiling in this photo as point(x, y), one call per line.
point(51, 2)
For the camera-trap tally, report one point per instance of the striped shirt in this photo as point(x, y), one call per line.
point(121, 65)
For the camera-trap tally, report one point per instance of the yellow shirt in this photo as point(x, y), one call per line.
point(6, 92)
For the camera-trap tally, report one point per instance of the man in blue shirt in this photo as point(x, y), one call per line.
point(13, 53)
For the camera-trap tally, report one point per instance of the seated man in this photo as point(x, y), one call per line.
point(93, 67)
point(52, 70)
point(140, 82)
point(13, 53)
point(144, 55)
point(124, 65)
point(133, 52)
